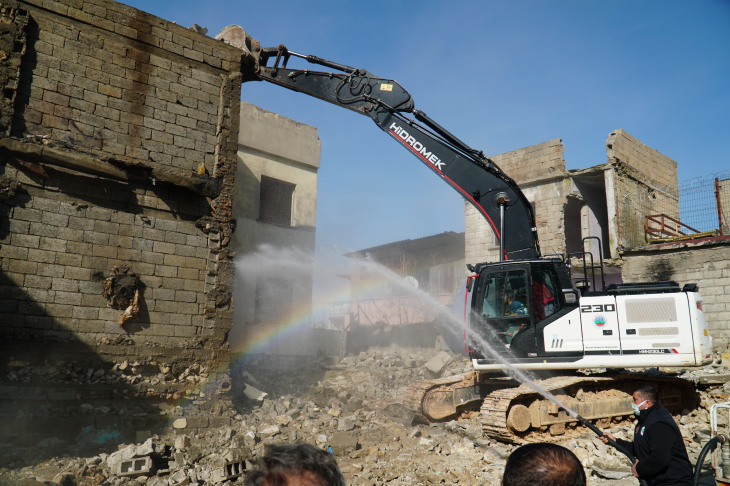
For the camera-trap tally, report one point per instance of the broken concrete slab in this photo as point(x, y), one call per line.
point(182, 442)
point(254, 393)
point(346, 423)
point(608, 469)
point(399, 413)
point(343, 443)
point(436, 365)
point(146, 449)
point(717, 379)
point(180, 423)
point(268, 430)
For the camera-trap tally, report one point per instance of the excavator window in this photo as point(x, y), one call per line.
point(545, 292)
point(505, 303)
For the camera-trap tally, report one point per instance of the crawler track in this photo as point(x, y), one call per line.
point(589, 394)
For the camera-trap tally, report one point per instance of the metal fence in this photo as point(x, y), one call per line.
point(695, 208)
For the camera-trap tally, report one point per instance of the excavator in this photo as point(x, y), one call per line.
point(521, 312)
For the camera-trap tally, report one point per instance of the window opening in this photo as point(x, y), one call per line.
point(274, 299)
point(276, 198)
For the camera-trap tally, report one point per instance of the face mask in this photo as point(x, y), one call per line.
point(635, 407)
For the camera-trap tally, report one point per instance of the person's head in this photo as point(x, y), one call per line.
point(543, 465)
point(508, 297)
point(645, 396)
point(296, 465)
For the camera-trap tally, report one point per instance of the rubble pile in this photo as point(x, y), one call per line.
point(352, 408)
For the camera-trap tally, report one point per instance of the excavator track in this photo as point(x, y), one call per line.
point(520, 414)
point(418, 391)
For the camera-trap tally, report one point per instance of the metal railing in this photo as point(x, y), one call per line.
point(695, 208)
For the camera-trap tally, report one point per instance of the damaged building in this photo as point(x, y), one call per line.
point(117, 164)
point(634, 208)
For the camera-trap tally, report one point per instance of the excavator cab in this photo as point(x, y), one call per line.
point(510, 301)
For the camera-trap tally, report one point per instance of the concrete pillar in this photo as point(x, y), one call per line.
point(613, 215)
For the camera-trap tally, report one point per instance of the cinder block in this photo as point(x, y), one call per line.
point(28, 241)
point(104, 251)
point(20, 266)
point(39, 229)
point(71, 298)
point(122, 242)
point(138, 466)
point(163, 247)
point(164, 271)
point(52, 244)
point(41, 256)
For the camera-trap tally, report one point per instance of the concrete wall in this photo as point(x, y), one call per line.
point(118, 148)
point(273, 146)
point(706, 263)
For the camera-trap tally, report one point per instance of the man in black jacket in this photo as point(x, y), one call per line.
point(658, 445)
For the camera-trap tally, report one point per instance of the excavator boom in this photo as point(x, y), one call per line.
point(474, 176)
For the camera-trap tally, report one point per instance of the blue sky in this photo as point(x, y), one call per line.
point(500, 76)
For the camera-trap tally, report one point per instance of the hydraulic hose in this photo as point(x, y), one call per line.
point(613, 443)
point(709, 447)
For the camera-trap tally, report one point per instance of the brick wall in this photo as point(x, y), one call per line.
point(539, 170)
point(112, 81)
point(121, 150)
point(657, 168)
point(706, 264)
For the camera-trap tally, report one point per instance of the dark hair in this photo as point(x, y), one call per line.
point(647, 392)
point(543, 465)
point(283, 460)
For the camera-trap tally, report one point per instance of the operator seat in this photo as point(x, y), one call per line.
point(523, 343)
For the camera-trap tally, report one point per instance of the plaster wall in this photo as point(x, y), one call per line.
point(274, 146)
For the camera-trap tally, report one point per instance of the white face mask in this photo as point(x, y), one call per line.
point(635, 407)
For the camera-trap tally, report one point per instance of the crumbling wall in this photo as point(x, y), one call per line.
point(707, 264)
point(121, 154)
point(623, 148)
point(539, 170)
point(644, 181)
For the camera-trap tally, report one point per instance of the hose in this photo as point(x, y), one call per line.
point(613, 443)
point(709, 447)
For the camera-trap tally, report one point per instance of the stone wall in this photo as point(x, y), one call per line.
point(120, 154)
point(706, 263)
point(659, 169)
point(540, 172)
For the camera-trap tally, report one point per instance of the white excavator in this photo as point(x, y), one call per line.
point(522, 310)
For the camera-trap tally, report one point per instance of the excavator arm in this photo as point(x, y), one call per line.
point(468, 171)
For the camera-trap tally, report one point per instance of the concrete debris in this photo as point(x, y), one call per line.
point(180, 423)
point(353, 409)
point(254, 393)
point(609, 469)
point(437, 364)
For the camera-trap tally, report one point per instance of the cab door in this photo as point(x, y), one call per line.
point(599, 321)
point(500, 310)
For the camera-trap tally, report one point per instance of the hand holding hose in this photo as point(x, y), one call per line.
point(607, 438)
